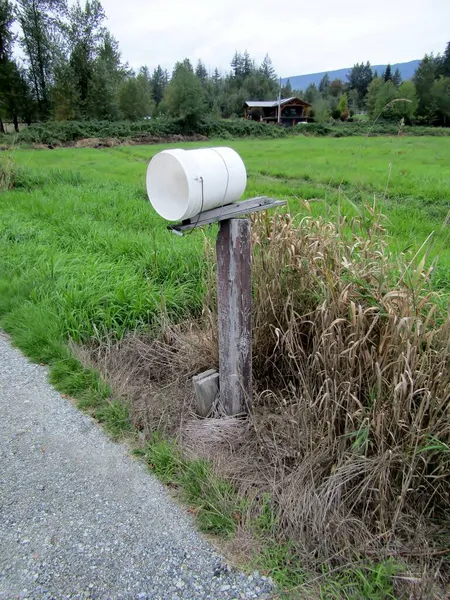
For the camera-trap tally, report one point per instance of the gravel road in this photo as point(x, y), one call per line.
point(81, 519)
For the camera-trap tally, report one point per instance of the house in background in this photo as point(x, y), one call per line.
point(293, 111)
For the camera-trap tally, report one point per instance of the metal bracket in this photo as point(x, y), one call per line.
point(223, 213)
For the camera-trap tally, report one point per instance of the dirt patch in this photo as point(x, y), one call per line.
point(134, 141)
point(171, 139)
point(99, 143)
point(95, 143)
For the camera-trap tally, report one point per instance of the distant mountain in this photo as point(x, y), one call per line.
point(301, 82)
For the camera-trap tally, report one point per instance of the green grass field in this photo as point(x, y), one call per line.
point(84, 254)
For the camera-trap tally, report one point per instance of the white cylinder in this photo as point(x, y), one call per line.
point(182, 183)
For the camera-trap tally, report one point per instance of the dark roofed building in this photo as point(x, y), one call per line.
point(293, 111)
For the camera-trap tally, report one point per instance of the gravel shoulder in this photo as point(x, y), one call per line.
point(81, 519)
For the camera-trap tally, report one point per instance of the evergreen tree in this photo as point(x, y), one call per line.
point(424, 78)
point(6, 34)
point(216, 80)
point(387, 75)
point(108, 73)
point(444, 62)
point(188, 65)
point(359, 79)
point(311, 94)
point(135, 96)
point(324, 85)
point(237, 65)
point(396, 77)
point(159, 84)
point(145, 92)
point(267, 69)
point(286, 90)
point(201, 73)
point(248, 66)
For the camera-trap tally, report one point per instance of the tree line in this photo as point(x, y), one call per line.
point(71, 69)
point(424, 100)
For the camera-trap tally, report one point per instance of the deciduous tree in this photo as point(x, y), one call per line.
point(441, 95)
point(185, 96)
point(40, 22)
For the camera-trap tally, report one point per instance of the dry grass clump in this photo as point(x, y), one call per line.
point(350, 429)
point(8, 172)
point(152, 372)
point(351, 424)
point(359, 354)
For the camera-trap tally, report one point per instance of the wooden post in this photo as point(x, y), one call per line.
point(234, 305)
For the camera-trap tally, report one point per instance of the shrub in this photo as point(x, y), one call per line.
point(68, 132)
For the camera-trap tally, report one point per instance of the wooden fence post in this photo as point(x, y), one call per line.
point(234, 305)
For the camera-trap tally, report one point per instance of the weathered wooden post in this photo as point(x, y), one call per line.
point(234, 307)
point(234, 304)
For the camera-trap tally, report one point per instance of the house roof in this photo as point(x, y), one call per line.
point(272, 103)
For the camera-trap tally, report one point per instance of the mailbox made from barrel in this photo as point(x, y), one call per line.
point(183, 183)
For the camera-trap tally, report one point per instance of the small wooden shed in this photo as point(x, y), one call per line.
point(292, 111)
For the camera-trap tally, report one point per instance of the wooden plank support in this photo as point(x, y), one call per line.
point(206, 387)
point(228, 211)
point(234, 304)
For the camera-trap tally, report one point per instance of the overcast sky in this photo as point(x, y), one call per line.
point(299, 36)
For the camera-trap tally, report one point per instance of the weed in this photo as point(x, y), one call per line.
point(115, 417)
point(164, 459)
point(8, 172)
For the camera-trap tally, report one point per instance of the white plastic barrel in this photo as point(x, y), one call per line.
point(182, 183)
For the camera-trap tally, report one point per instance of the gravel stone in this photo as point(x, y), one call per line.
point(82, 520)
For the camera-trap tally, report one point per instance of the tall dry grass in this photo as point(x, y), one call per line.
point(350, 430)
point(354, 350)
point(8, 172)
